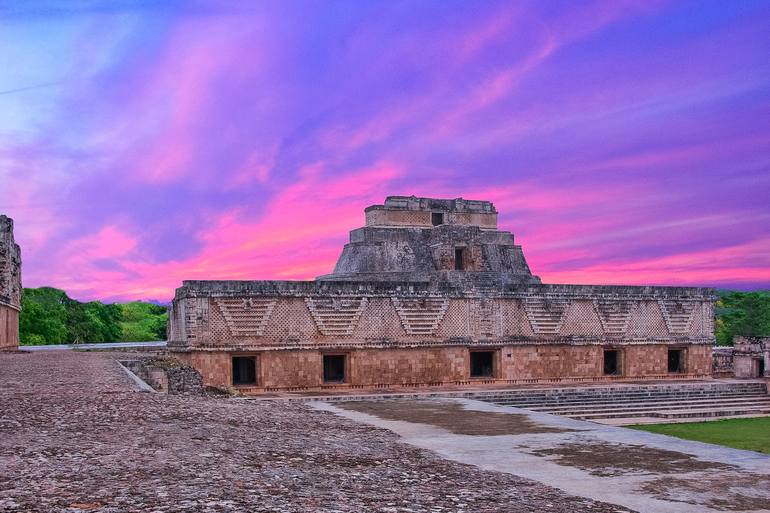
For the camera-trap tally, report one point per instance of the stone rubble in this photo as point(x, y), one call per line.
point(75, 436)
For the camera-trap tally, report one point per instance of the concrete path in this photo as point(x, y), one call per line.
point(100, 345)
point(643, 471)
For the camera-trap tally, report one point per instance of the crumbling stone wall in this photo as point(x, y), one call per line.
point(10, 286)
point(723, 366)
point(167, 375)
point(751, 357)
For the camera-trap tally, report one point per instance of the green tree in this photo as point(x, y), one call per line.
point(143, 321)
point(43, 316)
point(49, 316)
point(742, 314)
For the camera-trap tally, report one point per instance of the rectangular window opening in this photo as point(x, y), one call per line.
point(244, 370)
point(482, 364)
point(334, 368)
point(437, 218)
point(675, 360)
point(459, 264)
point(611, 362)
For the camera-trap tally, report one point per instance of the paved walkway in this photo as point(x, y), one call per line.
point(76, 436)
point(94, 346)
point(642, 471)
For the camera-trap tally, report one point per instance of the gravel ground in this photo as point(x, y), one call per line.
point(75, 436)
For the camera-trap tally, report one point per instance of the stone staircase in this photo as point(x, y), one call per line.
point(648, 403)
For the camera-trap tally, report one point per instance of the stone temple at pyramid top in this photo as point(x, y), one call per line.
point(411, 239)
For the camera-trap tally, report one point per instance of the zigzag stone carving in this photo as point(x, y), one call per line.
point(677, 314)
point(546, 314)
point(420, 316)
point(614, 314)
point(246, 316)
point(336, 316)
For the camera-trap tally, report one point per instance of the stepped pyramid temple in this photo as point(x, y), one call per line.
point(10, 286)
point(431, 292)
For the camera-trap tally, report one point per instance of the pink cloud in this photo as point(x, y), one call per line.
point(741, 263)
point(286, 242)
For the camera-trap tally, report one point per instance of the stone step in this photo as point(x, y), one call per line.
point(665, 407)
point(678, 414)
point(622, 388)
point(655, 404)
point(664, 401)
point(623, 399)
point(615, 399)
point(610, 388)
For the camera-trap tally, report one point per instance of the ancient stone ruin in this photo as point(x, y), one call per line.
point(430, 292)
point(10, 286)
point(749, 357)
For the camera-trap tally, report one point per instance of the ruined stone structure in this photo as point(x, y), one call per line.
point(10, 286)
point(431, 292)
point(722, 362)
point(749, 357)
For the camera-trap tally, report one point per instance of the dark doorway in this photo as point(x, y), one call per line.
point(437, 218)
point(760, 367)
point(482, 364)
point(459, 264)
point(244, 370)
point(675, 360)
point(611, 362)
point(334, 368)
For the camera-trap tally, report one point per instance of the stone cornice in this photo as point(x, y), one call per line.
point(204, 288)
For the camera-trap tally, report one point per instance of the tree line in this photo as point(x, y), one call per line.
point(744, 314)
point(49, 316)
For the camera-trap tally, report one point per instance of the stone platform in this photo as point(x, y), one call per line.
point(642, 471)
point(76, 436)
point(647, 403)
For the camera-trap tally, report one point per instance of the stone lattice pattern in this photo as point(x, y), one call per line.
point(678, 314)
point(546, 314)
point(336, 316)
point(614, 314)
point(282, 321)
point(420, 316)
point(247, 316)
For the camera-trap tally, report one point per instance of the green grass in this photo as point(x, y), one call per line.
point(752, 434)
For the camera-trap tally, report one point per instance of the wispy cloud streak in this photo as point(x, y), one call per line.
point(622, 142)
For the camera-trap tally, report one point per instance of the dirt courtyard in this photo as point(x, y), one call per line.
point(75, 435)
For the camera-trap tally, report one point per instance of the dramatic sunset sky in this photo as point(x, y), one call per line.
point(143, 143)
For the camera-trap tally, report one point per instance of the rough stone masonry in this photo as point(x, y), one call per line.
point(430, 292)
point(10, 286)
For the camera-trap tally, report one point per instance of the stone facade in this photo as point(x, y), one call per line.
point(751, 357)
point(722, 358)
point(10, 286)
point(430, 292)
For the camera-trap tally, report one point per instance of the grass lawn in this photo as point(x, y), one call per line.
point(751, 434)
